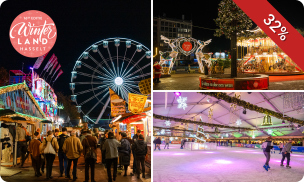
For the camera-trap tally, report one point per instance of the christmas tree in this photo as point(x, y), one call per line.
point(232, 22)
point(200, 135)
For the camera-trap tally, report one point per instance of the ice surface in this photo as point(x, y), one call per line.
point(225, 164)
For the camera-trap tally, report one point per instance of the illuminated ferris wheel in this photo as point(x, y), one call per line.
point(116, 63)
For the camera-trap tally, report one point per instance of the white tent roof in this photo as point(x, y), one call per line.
point(198, 106)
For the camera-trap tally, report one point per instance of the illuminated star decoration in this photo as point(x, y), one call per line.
point(168, 123)
point(227, 135)
point(269, 132)
point(162, 131)
point(238, 122)
point(182, 102)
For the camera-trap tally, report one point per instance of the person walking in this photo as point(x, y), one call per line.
point(56, 133)
point(267, 146)
point(124, 152)
point(110, 148)
point(34, 150)
point(63, 161)
point(72, 148)
point(49, 147)
point(167, 141)
point(135, 138)
point(281, 145)
point(286, 153)
point(157, 142)
point(89, 144)
point(22, 143)
point(101, 142)
point(141, 149)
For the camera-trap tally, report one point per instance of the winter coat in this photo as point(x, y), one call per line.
point(140, 148)
point(110, 146)
point(34, 147)
point(167, 140)
point(287, 148)
point(125, 147)
point(125, 152)
point(157, 141)
point(48, 139)
point(61, 140)
point(72, 147)
point(21, 133)
point(157, 70)
point(89, 141)
point(267, 146)
point(101, 141)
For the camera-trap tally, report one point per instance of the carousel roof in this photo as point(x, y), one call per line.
point(199, 104)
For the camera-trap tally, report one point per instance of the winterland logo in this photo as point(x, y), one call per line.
point(33, 33)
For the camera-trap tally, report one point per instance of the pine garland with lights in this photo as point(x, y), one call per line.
point(192, 131)
point(196, 122)
point(246, 105)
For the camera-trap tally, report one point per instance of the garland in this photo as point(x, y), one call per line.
point(156, 127)
point(196, 122)
point(247, 105)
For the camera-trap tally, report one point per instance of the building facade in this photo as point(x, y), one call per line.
point(170, 28)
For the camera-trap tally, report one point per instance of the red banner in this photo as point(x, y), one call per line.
point(134, 118)
point(276, 27)
point(49, 62)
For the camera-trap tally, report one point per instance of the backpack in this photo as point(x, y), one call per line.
point(90, 153)
point(49, 149)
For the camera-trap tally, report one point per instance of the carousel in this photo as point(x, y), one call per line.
point(264, 56)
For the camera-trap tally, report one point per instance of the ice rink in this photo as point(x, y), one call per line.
point(225, 164)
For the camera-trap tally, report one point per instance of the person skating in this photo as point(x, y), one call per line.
point(135, 137)
point(167, 141)
point(281, 147)
point(157, 142)
point(286, 153)
point(72, 148)
point(63, 161)
point(141, 149)
point(89, 144)
point(157, 72)
point(267, 146)
point(34, 150)
point(49, 147)
point(124, 152)
point(110, 148)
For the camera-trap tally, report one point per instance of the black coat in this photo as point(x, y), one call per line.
point(61, 140)
point(140, 147)
point(157, 141)
point(125, 152)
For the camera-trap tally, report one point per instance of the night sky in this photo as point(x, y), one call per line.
point(79, 24)
point(202, 13)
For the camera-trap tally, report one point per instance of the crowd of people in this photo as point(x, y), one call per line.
point(70, 148)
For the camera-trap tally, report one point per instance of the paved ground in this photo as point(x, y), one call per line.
point(191, 82)
point(27, 174)
point(225, 164)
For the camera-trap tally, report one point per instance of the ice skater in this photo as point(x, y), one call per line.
point(286, 153)
point(167, 141)
point(267, 146)
point(157, 142)
point(281, 147)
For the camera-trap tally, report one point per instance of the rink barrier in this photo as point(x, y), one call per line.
point(200, 146)
point(275, 147)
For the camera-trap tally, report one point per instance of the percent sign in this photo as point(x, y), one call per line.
point(283, 37)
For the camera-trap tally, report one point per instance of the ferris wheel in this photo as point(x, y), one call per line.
point(116, 63)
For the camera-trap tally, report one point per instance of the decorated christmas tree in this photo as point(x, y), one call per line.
point(200, 135)
point(232, 22)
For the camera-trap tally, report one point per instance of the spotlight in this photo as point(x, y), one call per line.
point(177, 94)
point(209, 100)
point(283, 122)
point(244, 111)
